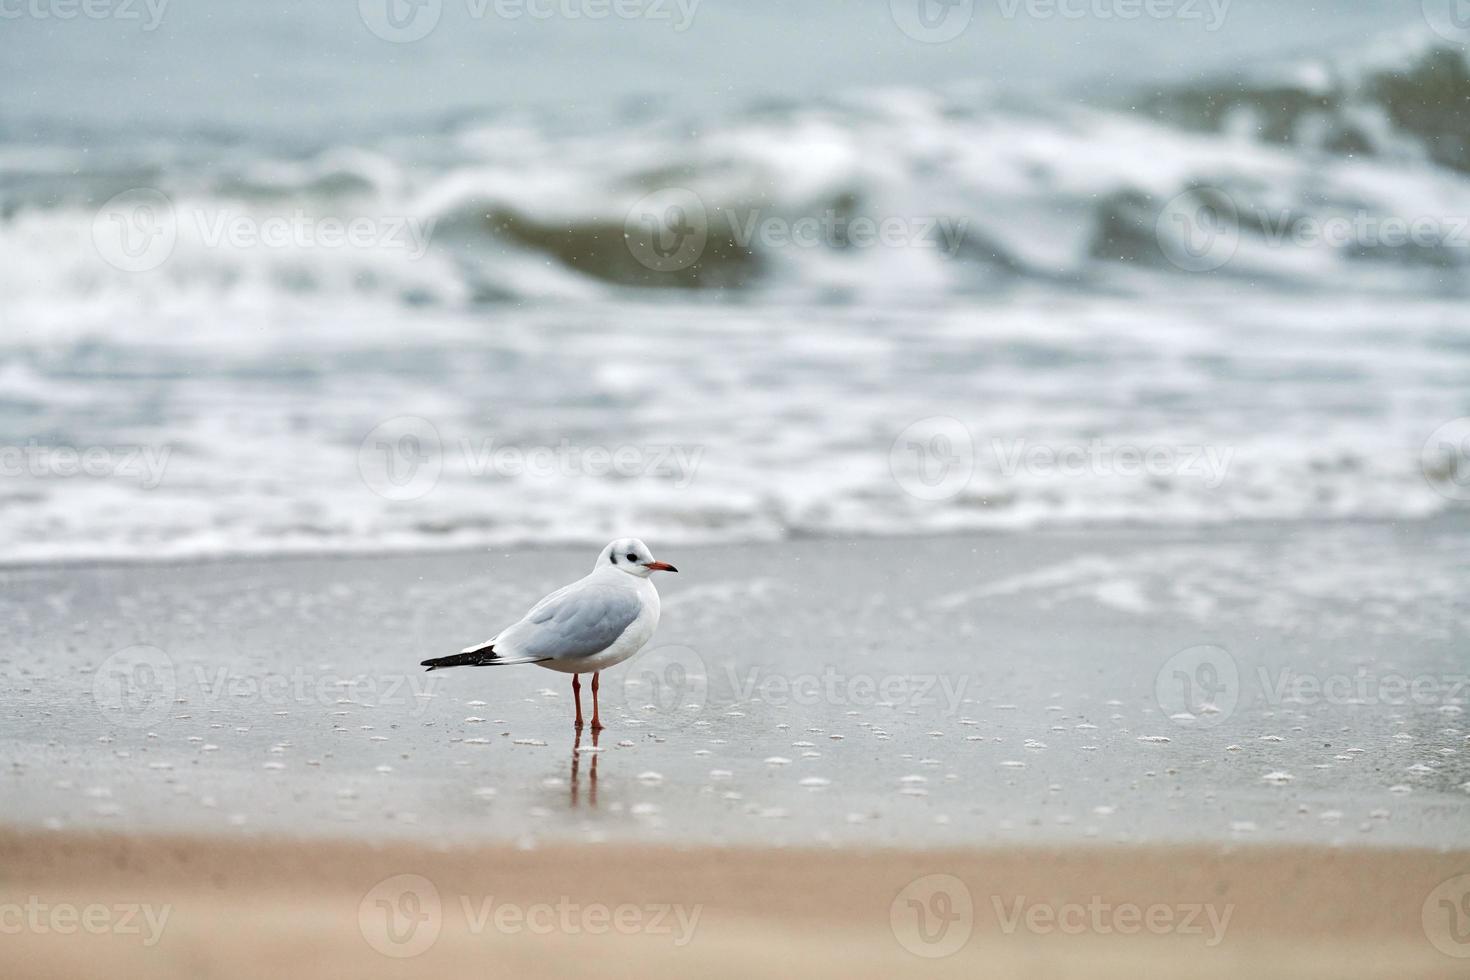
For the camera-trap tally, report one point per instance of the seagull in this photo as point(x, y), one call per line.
point(595, 623)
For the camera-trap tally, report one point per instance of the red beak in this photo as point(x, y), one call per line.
point(660, 566)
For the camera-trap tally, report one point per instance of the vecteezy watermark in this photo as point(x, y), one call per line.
point(669, 230)
point(1446, 917)
point(143, 465)
point(1097, 916)
point(1200, 230)
point(1199, 685)
point(136, 231)
point(403, 917)
point(677, 14)
point(405, 21)
point(935, 459)
point(836, 687)
point(1362, 687)
point(136, 686)
point(932, 21)
point(148, 13)
point(400, 21)
point(1450, 19)
point(403, 458)
point(669, 684)
point(139, 229)
point(1208, 464)
point(933, 916)
point(1445, 459)
point(1210, 14)
point(837, 230)
point(300, 685)
point(938, 21)
point(42, 918)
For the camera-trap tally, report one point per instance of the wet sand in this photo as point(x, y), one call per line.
point(250, 908)
point(1288, 684)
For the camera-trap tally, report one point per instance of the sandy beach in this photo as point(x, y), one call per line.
point(833, 769)
point(188, 907)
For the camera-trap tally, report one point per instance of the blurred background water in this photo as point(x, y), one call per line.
point(1240, 228)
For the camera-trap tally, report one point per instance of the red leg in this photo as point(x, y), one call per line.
point(596, 723)
point(577, 694)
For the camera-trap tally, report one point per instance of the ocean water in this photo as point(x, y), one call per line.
point(270, 282)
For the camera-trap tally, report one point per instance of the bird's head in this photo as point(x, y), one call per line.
point(632, 556)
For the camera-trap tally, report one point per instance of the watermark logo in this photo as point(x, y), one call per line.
point(400, 21)
point(838, 688)
point(136, 231)
point(1207, 464)
point(1199, 230)
point(401, 459)
point(1201, 686)
point(933, 916)
point(666, 231)
point(668, 683)
point(679, 14)
point(300, 230)
point(404, 458)
point(1450, 19)
point(1210, 13)
point(1104, 918)
point(43, 918)
point(1363, 688)
point(932, 21)
point(401, 916)
point(142, 465)
point(1198, 686)
point(1446, 917)
point(933, 459)
point(1445, 459)
point(149, 13)
point(838, 231)
point(135, 686)
point(404, 916)
point(220, 685)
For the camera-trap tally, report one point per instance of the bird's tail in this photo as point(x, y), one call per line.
point(485, 656)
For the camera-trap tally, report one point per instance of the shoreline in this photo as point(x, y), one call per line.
point(1451, 518)
point(248, 907)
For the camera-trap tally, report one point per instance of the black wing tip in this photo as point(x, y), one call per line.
point(470, 658)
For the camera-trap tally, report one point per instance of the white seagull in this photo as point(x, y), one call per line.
point(594, 623)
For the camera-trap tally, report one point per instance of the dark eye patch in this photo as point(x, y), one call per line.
point(631, 557)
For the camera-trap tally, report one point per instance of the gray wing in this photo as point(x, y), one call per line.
point(578, 622)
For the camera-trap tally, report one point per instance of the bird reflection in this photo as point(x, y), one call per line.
point(591, 768)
